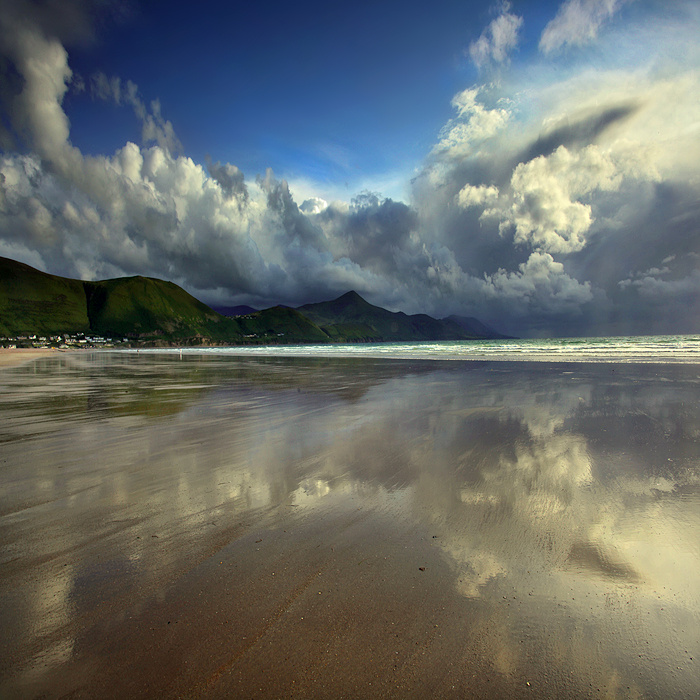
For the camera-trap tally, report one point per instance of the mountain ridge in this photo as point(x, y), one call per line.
point(351, 315)
point(149, 311)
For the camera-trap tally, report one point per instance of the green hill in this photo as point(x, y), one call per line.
point(35, 303)
point(143, 307)
point(32, 302)
point(280, 324)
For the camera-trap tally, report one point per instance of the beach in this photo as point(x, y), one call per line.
point(215, 527)
point(10, 357)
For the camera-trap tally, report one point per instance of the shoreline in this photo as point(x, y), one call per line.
point(622, 350)
point(418, 352)
point(13, 357)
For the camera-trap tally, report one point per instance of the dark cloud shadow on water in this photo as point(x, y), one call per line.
point(517, 526)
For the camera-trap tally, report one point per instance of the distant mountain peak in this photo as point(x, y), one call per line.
point(349, 300)
point(352, 295)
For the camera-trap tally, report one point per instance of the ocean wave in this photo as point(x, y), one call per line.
point(626, 349)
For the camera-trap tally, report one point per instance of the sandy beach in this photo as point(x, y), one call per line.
point(255, 527)
point(10, 357)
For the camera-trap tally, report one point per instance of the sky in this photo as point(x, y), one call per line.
point(533, 164)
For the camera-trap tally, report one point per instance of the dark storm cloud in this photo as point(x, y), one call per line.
point(592, 191)
point(578, 132)
point(648, 262)
point(294, 226)
point(230, 179)
point(376, 231)
point(69, 21)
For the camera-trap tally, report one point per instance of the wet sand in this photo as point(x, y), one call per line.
point(11, 357)
point(227, 527)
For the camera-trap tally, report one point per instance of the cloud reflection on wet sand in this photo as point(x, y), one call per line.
point(557, 508)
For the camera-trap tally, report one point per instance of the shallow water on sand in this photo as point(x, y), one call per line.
point(451, 529)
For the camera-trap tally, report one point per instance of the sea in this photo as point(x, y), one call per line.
point(681, 349)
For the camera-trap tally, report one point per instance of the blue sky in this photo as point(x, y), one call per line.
point(316, 90)
point(534, 164)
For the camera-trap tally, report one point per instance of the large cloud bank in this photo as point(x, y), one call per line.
point(547, 206)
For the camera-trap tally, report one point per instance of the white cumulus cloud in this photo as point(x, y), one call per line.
point(540, 285)
point(546, 210)
point(474, 124)
point(480, 195)
point(313, 205)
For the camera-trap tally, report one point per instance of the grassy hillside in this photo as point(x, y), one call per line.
point(280, 324)
point(32, 302)
point(142, 306)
